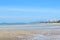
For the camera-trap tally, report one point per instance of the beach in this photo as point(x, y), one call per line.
point(45, 34)
point(28, 34)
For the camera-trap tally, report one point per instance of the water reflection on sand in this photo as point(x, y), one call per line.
point(37, 32)
point(39, 37)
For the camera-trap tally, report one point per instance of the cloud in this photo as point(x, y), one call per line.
point(40, 10)
point(21, 18)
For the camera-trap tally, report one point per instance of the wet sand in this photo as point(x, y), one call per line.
point(38, 34)
point(34, 34)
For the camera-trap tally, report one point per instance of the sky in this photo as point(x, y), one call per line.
point(29, 10)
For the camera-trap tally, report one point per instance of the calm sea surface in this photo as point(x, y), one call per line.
point(18, 27)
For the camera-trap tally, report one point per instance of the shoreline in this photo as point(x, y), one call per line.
point(53, 24)
point(30, 26)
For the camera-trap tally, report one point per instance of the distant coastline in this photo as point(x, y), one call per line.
point(49, 22)
point(33, 24)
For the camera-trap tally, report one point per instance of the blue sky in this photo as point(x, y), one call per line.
point(29, 10)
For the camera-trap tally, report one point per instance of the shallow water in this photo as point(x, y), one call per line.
point(39, 37)
point(25, 27)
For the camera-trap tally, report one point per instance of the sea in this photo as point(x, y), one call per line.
point(24, 27)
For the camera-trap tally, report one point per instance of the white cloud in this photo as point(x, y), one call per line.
point(21, 17)
point(41, 10)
